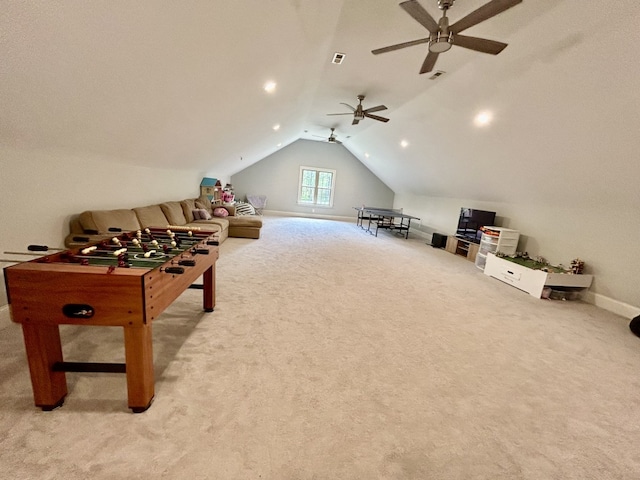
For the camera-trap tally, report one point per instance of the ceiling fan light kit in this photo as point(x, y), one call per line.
point(440, 43)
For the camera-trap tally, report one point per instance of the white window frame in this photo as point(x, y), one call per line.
point(315, 192)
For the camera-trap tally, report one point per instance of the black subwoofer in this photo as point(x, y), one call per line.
point(438, 241)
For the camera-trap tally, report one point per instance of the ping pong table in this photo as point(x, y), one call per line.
point(385, 218)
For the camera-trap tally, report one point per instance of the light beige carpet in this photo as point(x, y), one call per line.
point(333, 354)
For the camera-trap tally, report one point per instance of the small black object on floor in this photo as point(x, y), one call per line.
point(634, 325)
point(438, 240)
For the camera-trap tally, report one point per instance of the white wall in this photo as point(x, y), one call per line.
point(604, 236)
point(41, 191)
point(276, 176)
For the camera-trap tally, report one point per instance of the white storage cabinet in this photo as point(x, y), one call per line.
point(529, 280)
point(496, 239)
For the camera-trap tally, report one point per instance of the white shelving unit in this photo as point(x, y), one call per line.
point(496, 239)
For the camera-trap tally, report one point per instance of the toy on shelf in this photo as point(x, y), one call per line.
point(227, 194)
point(577, 266)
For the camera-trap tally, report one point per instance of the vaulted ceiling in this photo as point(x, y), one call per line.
point(180, 84)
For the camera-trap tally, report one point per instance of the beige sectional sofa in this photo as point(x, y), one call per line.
point(96, 225)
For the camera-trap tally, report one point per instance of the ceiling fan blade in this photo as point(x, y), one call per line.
point(429, 62)
point(376, 117)
point(355, 121)
point(374, 109)
point(483, 13)
point(479, 44)
point(353, 109)
point(413, 8)
point(398, 46)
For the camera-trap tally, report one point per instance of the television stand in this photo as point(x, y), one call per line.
point(463, 247)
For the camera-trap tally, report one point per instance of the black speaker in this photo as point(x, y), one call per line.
point(438, 241)
point(634, 325)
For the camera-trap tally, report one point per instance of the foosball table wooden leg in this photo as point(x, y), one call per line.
point(44, 350)
point(209, 290)
point(139, 360)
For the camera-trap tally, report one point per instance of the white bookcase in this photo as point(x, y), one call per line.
point(496, 239)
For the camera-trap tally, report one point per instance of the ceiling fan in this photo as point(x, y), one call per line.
point(442, 36)
point(359, 113)
point(332, 138)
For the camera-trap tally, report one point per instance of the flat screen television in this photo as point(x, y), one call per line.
point(471, 221)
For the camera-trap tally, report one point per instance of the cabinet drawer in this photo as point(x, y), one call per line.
point(511, 275)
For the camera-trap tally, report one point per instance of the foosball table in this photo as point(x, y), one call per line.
point(127, 281)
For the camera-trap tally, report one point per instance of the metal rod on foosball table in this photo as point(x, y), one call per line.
point(36, 250)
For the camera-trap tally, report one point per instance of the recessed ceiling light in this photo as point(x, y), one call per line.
point(270, 87)
point(404, 144)
point(279, 145)
point(366, 154)
point(483, 118)
point(276, 127)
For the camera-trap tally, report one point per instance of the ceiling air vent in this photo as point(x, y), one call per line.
point(437, 74)
point(338, 58)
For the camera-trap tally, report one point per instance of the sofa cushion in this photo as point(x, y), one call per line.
point(223, 223)
point(173, 212)
point(203, 202)
point(151, 216)
point(188, 206)
point(87, 225)
point(252, 221)
point(103, 220)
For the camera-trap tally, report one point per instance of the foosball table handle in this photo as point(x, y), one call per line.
point(37, 248)
point(176, 270)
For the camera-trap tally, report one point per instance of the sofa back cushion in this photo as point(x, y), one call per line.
point(188, 206)
point(173, 212)
point(203, 202)
point(103, 220)
point(151, 216)
point(86, 222)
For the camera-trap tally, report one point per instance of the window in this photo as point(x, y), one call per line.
point(316, 186)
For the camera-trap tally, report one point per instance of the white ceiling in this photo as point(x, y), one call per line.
point(179, 84)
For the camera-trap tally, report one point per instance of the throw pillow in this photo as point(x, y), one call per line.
point(202, 203)
point(201, 214)
point(245, 209)
point(220, 212)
